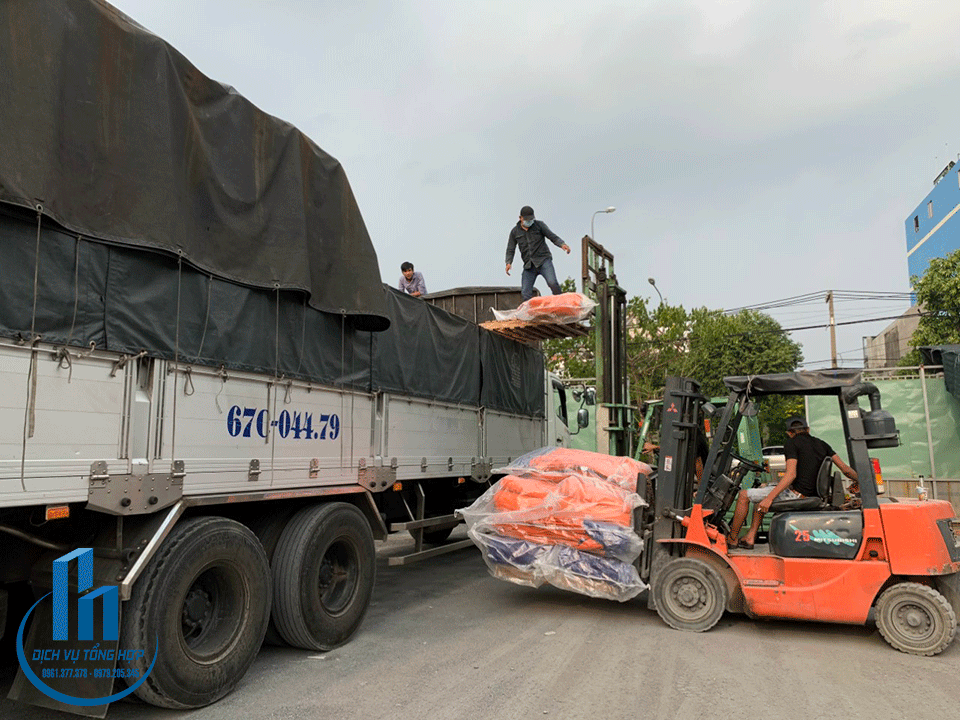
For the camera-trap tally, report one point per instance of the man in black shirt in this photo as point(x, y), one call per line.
point(804, 454)
point(532, 235)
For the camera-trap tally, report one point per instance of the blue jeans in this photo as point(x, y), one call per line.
point(530, 276)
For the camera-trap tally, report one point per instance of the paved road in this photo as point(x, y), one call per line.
point(445, 640)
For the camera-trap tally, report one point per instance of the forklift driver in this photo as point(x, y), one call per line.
point(804, 454)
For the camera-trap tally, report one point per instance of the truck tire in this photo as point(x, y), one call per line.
point(323, 574)
point(268, 529)
point(689, 594)
point(202, 604)
point(916, 619)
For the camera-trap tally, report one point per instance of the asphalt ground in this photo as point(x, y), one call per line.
point(443, 639)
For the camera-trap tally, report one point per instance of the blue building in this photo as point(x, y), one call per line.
point(933, 229)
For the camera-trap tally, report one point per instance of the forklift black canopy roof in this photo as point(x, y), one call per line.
point(805, 382)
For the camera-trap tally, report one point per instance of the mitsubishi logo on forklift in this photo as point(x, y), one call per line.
point(672, 408)
point(81, 659)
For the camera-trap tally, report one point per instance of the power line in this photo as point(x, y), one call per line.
point(820, 296)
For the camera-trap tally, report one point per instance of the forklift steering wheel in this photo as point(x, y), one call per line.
point(749, 464)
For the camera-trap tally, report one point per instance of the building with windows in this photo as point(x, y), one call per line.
point(932, 231)
point(933, 228)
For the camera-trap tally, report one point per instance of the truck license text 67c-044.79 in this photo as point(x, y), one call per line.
point(243, 422)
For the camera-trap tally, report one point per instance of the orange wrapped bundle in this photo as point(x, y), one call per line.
point(622, 471)
point(580, 511)
point(564, 308)
point(563, 517)
point(515, 493)
point(599, 501)
point(575, 494)
point(545, 532)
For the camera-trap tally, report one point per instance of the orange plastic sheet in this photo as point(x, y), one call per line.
point(569, 498)
point(563, 308)
point(623, 471)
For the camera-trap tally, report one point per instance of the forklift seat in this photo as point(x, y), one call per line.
point(829, 491)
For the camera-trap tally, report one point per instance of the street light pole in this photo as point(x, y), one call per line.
point(654, 283)
point(608, 210)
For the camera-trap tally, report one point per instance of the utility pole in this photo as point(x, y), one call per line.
point(833, 332)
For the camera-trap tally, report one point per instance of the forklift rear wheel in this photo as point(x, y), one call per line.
point(690, 595)
point(916, 619)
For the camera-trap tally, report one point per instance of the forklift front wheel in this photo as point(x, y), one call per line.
point(690, 595)
point(916, 619)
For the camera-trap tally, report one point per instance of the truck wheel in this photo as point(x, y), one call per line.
point(202, 604)
point(268, 528)
point(916, 619)
point(689, 594)
point(323, 573)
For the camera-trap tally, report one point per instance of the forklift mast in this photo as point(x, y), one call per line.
point(614, 411)
point(681, 420)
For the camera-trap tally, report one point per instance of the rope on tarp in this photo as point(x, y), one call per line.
point(222, 374)
point(121, 361)
point(176, 362)
point(203, 335)
point(29, 413)
point(303, 335)
point(62, 354)
point(271, 436)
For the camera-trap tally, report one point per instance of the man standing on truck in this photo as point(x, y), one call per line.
point(532, 235)
point(411, 282)
point(804, 454)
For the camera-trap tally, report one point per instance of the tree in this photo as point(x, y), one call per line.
point(938, 294)
point(748, 343)
point(703, 344)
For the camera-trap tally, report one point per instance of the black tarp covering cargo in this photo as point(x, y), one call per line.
point(510, 372)
point(178, 219)
point(119, 138)
point(120, 299)
point(427, 351)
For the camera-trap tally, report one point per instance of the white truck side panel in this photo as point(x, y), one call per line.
point(77, 418)
point(430, 439)
point(301, 435)
point(142, 417)
point(510, 436)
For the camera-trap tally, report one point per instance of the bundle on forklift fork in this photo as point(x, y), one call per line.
point(899, 556)
point(563, 517)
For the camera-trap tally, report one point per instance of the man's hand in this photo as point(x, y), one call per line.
point(416, 294)
point(508, 268)
point(764, 506)
point(564, 247)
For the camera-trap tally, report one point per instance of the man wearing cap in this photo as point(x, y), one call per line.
point(532, 235)
point(804, 454)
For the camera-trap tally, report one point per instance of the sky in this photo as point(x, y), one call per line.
point(753, 150)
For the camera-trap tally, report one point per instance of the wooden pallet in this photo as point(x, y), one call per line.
point(533, 333)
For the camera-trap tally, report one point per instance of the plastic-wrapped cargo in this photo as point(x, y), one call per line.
point(563, 517)
point(563, 308)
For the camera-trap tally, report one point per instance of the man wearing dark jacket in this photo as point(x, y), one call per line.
point(532, 235)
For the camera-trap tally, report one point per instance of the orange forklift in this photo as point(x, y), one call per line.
point(899, 557)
